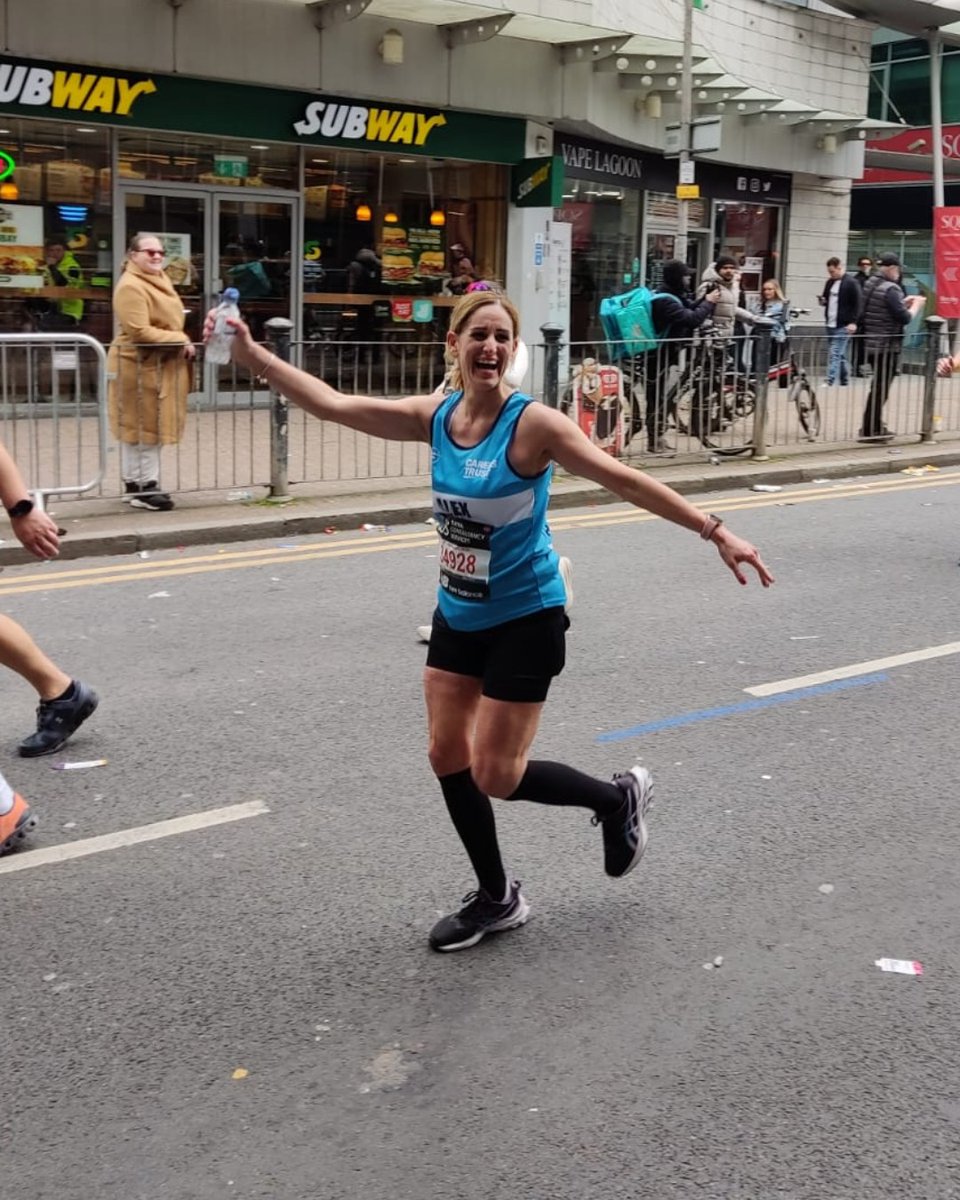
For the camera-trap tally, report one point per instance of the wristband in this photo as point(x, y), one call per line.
point(710, 526)
point(261, 376)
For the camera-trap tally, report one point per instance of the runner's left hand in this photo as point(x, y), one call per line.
point(734, 551)
point(37, 532)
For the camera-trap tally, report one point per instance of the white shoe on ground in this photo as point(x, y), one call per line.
point(566, 574)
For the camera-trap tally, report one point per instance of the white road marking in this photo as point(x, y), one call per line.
point(864, 668)
point(25, 859)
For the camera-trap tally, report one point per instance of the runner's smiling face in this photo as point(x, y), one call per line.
point(484, 346)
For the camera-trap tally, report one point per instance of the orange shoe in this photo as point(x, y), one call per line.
point(16, 824)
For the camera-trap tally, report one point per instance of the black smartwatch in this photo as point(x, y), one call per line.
point(20, 509)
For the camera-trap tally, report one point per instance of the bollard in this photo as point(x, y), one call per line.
point(763, 329)
point(551, 364)
point(935, 329)
point(279, 329)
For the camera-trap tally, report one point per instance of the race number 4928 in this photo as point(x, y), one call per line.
point(463, 561)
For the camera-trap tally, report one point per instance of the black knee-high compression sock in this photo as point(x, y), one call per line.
point(472, 815)
point(556, 783)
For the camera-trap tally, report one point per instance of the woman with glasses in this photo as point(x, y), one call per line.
point(150, 361)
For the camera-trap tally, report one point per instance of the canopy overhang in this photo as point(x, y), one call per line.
point(643, 63)
point(916, 17)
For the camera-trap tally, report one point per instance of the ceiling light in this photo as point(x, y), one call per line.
point(363, 213)
point(83, 129)
point(438, 218)
point(390, 217)
point(320, 160)
point(258, 146)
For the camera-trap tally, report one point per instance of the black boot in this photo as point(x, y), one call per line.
point(147, 496)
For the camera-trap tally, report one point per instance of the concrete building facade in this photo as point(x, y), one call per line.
point(218, 149)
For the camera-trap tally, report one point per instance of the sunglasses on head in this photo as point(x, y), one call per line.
point(480, 285)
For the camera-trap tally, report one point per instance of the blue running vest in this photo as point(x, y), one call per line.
point(497, 562)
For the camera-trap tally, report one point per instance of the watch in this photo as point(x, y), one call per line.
point(20, 509)
point(710, 526)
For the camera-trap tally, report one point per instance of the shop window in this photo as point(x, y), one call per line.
point(605, 249)
point(378, 227)
point(750, 234)
point(178, 158)
point(55, 229)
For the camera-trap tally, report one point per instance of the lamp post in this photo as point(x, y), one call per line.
point(686, 120)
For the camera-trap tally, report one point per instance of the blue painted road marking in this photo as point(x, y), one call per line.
point(727, 710)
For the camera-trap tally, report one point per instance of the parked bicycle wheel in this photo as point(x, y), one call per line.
point(808, 410)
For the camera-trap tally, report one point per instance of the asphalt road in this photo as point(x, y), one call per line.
point(249, 1010)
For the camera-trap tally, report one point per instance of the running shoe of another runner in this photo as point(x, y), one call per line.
point(480, 915)
point(625, 832)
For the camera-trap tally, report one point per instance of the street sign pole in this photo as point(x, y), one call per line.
point(686, 119)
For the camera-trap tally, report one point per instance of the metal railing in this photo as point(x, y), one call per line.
point(709, 396)
point(694, 399)
point(53, 389)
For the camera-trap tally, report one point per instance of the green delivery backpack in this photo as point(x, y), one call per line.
point(627, 323)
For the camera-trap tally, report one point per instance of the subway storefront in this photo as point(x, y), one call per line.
point(349, 217)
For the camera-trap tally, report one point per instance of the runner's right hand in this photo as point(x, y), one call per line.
point(244, 347)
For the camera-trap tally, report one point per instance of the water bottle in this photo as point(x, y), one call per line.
point(220, 345)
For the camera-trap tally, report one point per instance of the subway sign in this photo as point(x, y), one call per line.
point(181, 104)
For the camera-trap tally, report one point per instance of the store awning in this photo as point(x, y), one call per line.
point(644, 64)
point(915, 17)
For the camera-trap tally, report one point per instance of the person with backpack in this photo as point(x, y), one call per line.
point(675, 316)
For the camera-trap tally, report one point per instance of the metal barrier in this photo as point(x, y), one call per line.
point(53, 408)
point(713, 397)
point(694, 399)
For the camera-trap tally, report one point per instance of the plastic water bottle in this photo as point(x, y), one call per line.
point(220, 346)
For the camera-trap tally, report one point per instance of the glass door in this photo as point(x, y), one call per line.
point(254, 253)
point(215, 239)
point(181, 221)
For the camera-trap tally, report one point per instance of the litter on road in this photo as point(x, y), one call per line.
point(79, 766)
point(899, 966)
point(766, 487)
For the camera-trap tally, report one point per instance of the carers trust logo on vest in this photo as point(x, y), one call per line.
point(82, 91)
point(360, 123)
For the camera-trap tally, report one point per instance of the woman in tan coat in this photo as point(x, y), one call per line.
point(150, 358)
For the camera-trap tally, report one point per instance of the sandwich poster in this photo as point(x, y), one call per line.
point(408, 255)
point(21, 246)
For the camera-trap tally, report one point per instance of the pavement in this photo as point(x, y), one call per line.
point(106, 526)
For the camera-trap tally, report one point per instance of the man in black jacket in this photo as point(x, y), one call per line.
point(886, 313)
point(675, 316)
point(864, 271)
point(841, 298)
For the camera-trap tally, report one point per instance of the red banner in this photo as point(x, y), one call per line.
point(946, 253)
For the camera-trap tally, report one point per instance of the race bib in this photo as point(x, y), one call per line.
point(464, 558)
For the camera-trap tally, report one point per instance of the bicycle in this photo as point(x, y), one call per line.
point(712, 394)
point(727, 409)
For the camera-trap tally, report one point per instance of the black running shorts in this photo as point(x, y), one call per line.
point(515, 660)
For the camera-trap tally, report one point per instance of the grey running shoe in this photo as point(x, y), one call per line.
point(479, 916)
point(625, 833)
point(58, 720)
